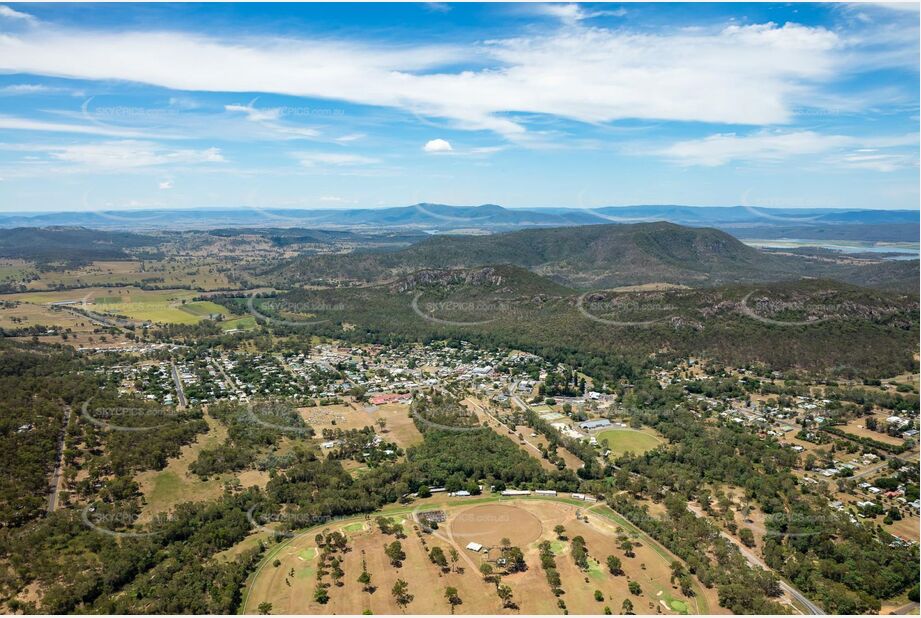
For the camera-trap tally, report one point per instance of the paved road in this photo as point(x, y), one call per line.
point(911, 608)
point(511, 430)
point(179, 390)
point(869, 471)
point(756, 561)
point(233, 385)
point(54, 488)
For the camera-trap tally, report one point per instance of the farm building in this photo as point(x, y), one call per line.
point(476, 547)
point(595, 424)
point(516, 492)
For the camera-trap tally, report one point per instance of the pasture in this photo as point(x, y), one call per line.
point(198, 274)
point(156, 306)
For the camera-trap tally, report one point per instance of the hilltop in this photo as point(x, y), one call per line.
point(598, 256)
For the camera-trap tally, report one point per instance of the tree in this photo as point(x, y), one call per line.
point(396, 554)
point(452, 597)
point(560, 532)
point(626, 607)
point(627, 546)
point(365, 580)
point(401, 594)
point(437, 556)
point(514, 559)
point(599, 596)
point(424, 491)
point(747, 538)
point(320, 595)
point(505, 593)
point(265, 608)
point(635, 588)
point(614, 565)
point(382, 423)
point(455, 556)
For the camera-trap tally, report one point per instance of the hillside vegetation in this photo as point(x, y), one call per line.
point(597, 256)
point(824, 326)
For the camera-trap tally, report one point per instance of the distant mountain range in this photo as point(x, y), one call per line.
point(598, 256)
point(741, 221)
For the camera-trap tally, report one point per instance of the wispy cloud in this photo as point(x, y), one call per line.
point(722, 148)
point(128, 154)
point(27, 124)
point(12, 14)
point(572, 14)
point(754, 74)
point(269, 117)
point(256, 114)
point(312, 159)
point(32, 89)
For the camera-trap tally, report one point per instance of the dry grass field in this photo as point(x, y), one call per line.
point(164, 489)
point(399, 426)
point(289, 587)
point(857, 427)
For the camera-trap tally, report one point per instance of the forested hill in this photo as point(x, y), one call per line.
point(825, 326)
point(599, 256)
point(69, 244)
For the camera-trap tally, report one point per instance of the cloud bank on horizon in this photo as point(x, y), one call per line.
point(537, 105)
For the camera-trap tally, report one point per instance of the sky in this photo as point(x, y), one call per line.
point(136, 106)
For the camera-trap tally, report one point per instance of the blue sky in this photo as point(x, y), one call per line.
point(523, 105)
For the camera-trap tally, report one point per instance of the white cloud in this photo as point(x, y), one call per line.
point(165, 185)
point(876, 162)
point(268, 117)
point(351, 137)
point(312, 159)
point(437, 145)
point(8, 13)
point(438, 7)
point(255, 114)
point(573, 13)
point(755, 74)
point(27, 89)
point(128, 154)
point(26, 124)
point(723, 148)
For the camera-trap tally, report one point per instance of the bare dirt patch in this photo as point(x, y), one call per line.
point(488, 524)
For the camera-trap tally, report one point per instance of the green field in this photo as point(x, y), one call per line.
point(622, 441)
point(158, 306)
